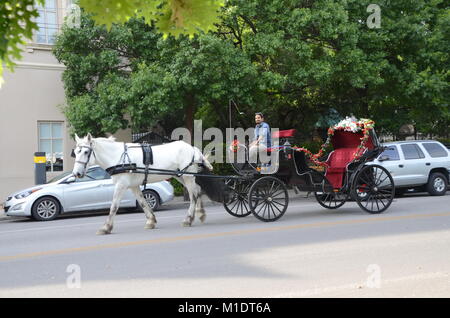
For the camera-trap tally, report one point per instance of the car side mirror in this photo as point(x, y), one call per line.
point(383, 158)
point(70, 179)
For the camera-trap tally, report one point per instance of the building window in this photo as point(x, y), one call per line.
point(47, 22)
point(51, 142)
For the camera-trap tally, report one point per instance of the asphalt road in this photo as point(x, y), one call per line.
point(310, 252)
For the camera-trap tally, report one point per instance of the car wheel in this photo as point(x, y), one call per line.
point(45, 209)
point(152, 199)
point(437, 184)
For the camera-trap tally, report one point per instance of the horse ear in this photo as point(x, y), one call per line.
point(77, 139)
point(89, 137)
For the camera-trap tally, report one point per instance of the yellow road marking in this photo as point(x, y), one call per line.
point(221, 234)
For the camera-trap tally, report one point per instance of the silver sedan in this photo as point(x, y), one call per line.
point(66, 194)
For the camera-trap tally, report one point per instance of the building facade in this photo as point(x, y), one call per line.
point(31, 103)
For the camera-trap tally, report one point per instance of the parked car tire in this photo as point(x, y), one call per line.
point(45, 209)
point(152, 198)
point(437, 184)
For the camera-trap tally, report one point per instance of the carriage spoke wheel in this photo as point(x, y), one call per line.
point(331, 200)
point(373, 189)
point(237, 205)
point(268, 199)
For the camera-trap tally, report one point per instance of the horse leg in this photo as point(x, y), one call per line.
point(199, 210)
point(108, 226)
point(194, 193)
point(189, 219)
point(151, 220)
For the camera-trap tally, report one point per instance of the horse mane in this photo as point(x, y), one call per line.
point(110, 139)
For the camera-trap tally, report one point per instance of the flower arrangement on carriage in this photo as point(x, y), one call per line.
point(349, 124)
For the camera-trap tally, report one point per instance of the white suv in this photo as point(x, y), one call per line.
point(420, 164)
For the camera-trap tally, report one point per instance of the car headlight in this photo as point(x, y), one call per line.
point(24, 194)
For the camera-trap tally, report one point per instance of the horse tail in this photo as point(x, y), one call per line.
point(206, 162)
point(200, 158)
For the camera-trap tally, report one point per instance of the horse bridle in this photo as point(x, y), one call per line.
point(91, 151)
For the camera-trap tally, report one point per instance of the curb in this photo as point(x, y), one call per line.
point(178, 202)
point(2, 214)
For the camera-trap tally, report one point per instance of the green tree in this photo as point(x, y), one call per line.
point(171, 17)
point(319, 54)
point(174, 17)
point(132, 76)
point(291, 59)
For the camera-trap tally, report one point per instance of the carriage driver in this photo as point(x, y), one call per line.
point(262, 140)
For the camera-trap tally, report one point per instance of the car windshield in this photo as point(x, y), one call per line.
point(59, 176)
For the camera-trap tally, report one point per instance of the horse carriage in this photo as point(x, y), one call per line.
point(346, 173)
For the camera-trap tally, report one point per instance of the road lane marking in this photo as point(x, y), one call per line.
point(220, 234)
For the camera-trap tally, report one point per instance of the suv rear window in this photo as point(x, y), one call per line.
point(412, 151)
point(435, 150)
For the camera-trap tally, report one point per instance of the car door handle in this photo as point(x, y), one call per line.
point(428, 164)
point(400, 166)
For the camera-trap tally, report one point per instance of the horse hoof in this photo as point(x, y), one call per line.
point(202, 218)
point(103, 232)
point(186, 224)
point(149, 226)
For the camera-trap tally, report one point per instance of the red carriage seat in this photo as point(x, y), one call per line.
point(345, 145)
point(289, 133)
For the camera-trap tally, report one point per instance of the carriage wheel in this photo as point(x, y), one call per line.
point(331, 200)
point(373, 189)
point(268, 199)
point(238, 204)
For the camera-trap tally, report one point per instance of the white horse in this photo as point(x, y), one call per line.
point(177, 155)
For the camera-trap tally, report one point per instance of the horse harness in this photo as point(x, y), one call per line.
point(91, 151)
point(126, 166)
